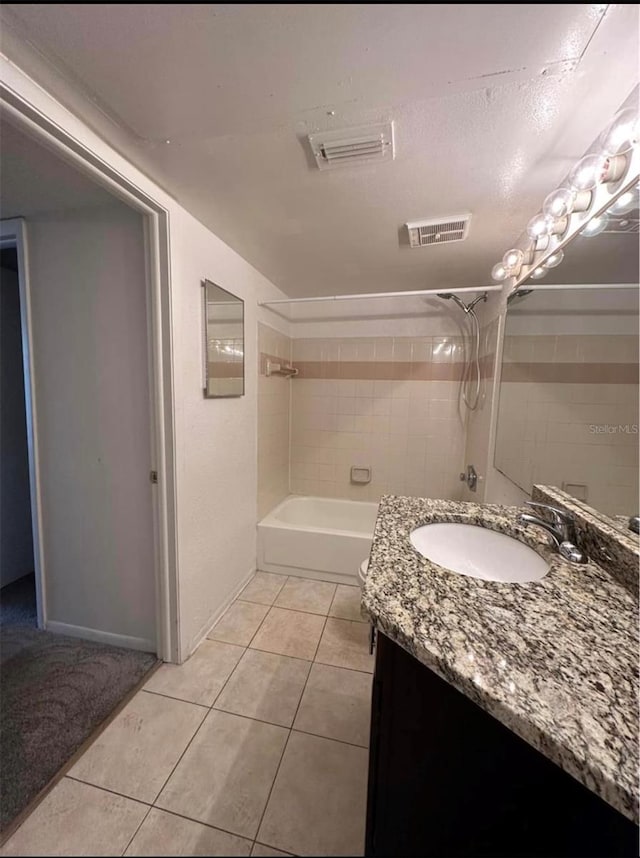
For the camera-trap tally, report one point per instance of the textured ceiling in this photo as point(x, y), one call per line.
point(492, 105)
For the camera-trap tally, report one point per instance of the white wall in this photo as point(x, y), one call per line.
point(274, 419)
point(16, 543)
point(89, 323)
point(216, 439)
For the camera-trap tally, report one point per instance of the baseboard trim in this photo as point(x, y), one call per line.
point(126, 641)
point(314, 574)
point(197, 639)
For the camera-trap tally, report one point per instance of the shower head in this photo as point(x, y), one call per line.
point(482, 297)
point(449, 295)
point(466, 307)
point(520, 293)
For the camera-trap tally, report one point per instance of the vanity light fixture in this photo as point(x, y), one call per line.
point(608, 164)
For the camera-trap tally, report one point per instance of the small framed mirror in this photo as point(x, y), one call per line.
point(224, 342)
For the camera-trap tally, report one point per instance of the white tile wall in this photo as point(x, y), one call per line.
point(544, 436)
point(273, 424)
point(409, 432)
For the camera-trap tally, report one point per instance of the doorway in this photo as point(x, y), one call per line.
point(155, 220)
point(18, 603)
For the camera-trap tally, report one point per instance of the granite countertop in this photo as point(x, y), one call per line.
point(555, 660)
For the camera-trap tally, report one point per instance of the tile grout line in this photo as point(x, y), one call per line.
point(210, 709)
point(261, 720)
point(110, 791)
point(300, 611)
point(188, 745)
point(200, 822)
point(160, 809)
point(258, 843)
point(290, 729)
point(133, 836)
point(286, 744)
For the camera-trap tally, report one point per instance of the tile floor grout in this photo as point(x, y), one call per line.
point(270, 652)
point(295, 714)
point(210, 708)
point(110, 791)
point(142, 822)
point(269, 723)
point(298, 610)
point(151, 807)
point(188, 745)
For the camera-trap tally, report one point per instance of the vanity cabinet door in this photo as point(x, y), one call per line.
point(447, 779)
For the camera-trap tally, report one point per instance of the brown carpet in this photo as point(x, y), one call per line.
point(54, 692)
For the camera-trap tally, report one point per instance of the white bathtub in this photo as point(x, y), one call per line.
point(317, 538)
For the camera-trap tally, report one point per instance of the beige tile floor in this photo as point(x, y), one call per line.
point(257, 745)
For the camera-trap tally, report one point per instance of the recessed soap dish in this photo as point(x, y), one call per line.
point(360, 475)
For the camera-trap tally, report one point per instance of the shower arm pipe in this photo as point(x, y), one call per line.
point(414, 294)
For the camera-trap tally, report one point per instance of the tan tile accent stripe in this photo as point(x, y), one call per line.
point(487, 364)
point(571, 373)
point(225, 369)
point(390, 370)
point(381, 370)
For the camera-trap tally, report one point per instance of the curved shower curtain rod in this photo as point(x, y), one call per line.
point(414, 294)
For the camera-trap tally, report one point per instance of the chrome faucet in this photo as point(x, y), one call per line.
point(561, 529)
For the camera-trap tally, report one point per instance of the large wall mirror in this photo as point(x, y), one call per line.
point(224, 342)
point(568, 407)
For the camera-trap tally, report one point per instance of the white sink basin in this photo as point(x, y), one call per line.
point(479, 553)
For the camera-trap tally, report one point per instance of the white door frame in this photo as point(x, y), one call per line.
point(13, 234)
point(156, 232)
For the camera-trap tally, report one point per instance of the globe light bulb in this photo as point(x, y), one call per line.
point(622, 134)
point(596, 169)
point(589, 172)
point(498, 272)
point(555, 259)
point(538, 273)
point(559, 203)
point(595, 226)
point(512, 260)
point(625, 203)
point(539, 225)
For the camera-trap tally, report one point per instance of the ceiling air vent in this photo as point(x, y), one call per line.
point(439, 230)
point(361, 145)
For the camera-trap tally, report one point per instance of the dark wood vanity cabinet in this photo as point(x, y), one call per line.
point(448, 779)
